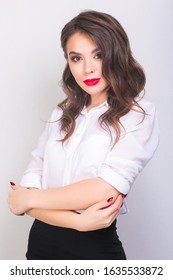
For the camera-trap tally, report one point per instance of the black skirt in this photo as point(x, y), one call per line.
point(48, 242)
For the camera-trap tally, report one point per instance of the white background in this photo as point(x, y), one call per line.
point(31, 63)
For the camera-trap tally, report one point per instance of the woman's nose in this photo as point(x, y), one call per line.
point(89, 67)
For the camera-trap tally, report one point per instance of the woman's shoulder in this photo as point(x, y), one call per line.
point(147, 105)
point(143, 111)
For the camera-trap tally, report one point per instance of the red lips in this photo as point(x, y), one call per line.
point(92, 82)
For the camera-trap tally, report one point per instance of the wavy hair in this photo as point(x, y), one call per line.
point(124, 75)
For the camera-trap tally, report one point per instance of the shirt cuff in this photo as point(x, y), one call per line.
point(33, 182)
point(114, 179)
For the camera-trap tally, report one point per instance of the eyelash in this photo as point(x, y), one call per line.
point(99, 55)
point(78, 58)
point(75, 58)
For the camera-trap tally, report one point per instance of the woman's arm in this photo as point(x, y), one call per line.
point(100, 215)
point(80, 195)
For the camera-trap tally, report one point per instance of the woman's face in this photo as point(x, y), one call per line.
point(85, 62)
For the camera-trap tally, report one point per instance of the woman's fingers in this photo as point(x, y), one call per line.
point(111, 213)
point(110, 205)
point(102, 204)
point(116, 204)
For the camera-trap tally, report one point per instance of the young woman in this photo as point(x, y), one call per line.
point(94, 146)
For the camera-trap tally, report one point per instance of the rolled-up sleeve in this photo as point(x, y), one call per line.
point(32, 176)
point(133, 151)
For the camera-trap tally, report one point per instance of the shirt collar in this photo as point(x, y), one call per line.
point(104, 104)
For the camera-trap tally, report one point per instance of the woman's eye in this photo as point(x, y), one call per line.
point(75, 58)
point(98, 56)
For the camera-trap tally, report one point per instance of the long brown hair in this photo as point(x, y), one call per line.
point(124, 75)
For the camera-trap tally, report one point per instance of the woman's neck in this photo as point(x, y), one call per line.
point(95, 101)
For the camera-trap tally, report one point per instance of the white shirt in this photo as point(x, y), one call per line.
point(89, 154)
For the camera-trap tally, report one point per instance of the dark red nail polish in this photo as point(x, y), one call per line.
point(110, 199)
point(12, 184)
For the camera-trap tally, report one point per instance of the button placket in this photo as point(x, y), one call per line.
point(71, 148)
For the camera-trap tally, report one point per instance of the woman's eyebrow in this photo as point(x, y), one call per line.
point(74, 53)
point(77, 53)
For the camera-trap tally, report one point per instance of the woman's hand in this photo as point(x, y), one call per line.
point(100, 215)
point(18, 200)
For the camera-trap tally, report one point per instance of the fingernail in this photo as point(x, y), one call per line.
point(110, 199)
point(12, 184)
